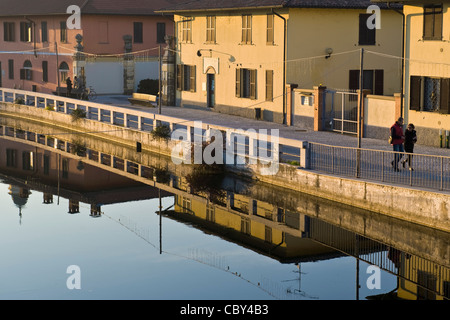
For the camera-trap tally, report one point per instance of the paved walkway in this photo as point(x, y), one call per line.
point(211, 117)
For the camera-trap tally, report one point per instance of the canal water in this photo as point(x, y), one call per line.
point(80, 225)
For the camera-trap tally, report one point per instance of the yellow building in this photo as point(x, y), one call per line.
point(244, 58)
point(427, 68)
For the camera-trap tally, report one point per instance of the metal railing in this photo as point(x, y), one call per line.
point(245, 144)
point(428, 171)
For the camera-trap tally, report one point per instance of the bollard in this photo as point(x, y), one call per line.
point(440, 138)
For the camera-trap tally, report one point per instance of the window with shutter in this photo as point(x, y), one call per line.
point(10, 69)
point(179, 77)
point(247, 29)
point(379, 82)
point(25, 31)
point(269, 85)
point(45, 71)
point(8, 31)
point(246, 83)
point(211, 29)
point(187, 30)
point(366, 35)
point(160, 32)
point(432, 22)
point(138, 32)
point(270, 31)
point(445, 96)
point(186, 78)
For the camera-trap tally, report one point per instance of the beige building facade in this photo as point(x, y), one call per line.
point(247, 60)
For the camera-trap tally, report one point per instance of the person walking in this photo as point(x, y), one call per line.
point(410, 140)
point(397, 142)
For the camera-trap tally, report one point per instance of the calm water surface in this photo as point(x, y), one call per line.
point(230, 241)
point(119, 258)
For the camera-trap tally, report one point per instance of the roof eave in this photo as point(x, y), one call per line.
point(219, 9)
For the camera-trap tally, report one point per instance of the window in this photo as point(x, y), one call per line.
point(11, 69)
point(44, 31)
point(25, 31)
point(187, 30)
point(246, 83)
point(186, 77)
point(8, 31)
point(26, 73)
point(211, 29)
point(210, 212)
point(373, 81)
point(246, 29)
point(27, 160)
point(269, 85)
point(432, 22)
point(267, 234)
point(430, 94)
point(46, 164)
point(11, 158)
point(160, 32)
point(63, 71)
point(187, 205)
point(366, 35)
point(65, 168)
point(245, 225)
point(138, 32)
point(45, 71)
point(270, 32)
point(63, 31)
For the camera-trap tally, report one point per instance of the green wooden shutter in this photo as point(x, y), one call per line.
point(238, 83)
point(192, 78)
point(253, 84)
point(179, 77)
point(415, 94)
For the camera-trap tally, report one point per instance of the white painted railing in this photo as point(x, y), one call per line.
point(246, 143)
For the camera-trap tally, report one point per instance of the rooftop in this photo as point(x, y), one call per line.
point(201, 5)
point(98, 7)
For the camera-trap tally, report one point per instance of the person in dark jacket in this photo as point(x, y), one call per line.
point(397, 142)
point(410, 140)
point(69, 87)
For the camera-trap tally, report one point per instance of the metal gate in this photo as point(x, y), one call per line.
point(340, 111)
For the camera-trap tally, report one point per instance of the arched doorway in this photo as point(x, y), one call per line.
point(63, 71)
point(26, 72)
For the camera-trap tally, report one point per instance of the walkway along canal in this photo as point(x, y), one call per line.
point(300, 163)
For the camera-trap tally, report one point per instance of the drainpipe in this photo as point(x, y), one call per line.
point(284, 64)
point(403, 56)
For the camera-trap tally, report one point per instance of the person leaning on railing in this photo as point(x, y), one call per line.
point(398, 138)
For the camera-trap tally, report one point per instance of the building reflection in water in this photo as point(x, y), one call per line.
point(20, 198)
point(290, 228)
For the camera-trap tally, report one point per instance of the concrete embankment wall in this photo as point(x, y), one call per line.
point(423, 207)
point(428, 208)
